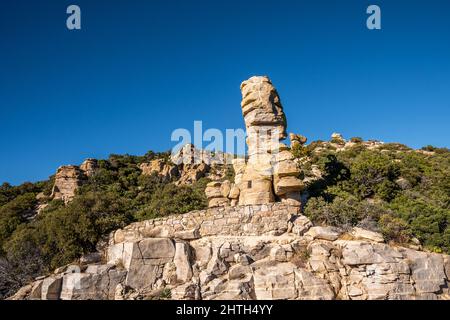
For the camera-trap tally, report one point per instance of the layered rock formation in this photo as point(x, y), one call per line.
point(270, 174)
point(165, 171)
point(265, 251)
point(297, 140)
point(188, 165)
point(89, 167)
point(67, 180)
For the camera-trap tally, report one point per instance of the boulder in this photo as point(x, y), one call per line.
point(51, 288)
point(189, 234)
point(301, 225)
point(325, 233)
point(89, 167)
point(297, 139)
point(275, 282)
point(362, 234)
point(239, 271)
point(288, 184)
point(182, 262)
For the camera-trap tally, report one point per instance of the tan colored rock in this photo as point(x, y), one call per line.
point(311, 287)
point(325, 233)
point(286, 168)
point(234, 192)
point(182, 262)
point(22, 293)
point(36, 290)
point(67, 180)
point(268, 157)
point(213, 190)
point(239, 271)
point(297, 139)
point(146, 265)
point(217, 192)
point(218, 202)
point(89, 167)
point(362, 234)
point(165, 171)
point(337, 138)
point(283, 156)
point(293, 198)
point(285, 185)
point(202, 251)
point(191, 173)
point(225, 188)
point(301, 225)
point(190, 234)
point(256, 191)
point(275, 282)
point(97, 283)
point(265, 123)
point(51, 288)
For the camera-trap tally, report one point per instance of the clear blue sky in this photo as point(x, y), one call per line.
point(140, 69)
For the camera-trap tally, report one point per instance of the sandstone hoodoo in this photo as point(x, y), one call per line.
point(270, 173)
point(253, 242)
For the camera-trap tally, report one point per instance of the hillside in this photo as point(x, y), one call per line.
point(330, 212)
point(389, 188)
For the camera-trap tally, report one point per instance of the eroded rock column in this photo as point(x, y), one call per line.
point(270, 173)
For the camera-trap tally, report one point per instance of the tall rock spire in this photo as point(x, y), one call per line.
point(270, 173)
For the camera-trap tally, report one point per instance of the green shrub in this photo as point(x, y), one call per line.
point(373, 173)
point(356, 140)
point(13, 214)
point(342, 212)
point(170, 199)
point(394, 228)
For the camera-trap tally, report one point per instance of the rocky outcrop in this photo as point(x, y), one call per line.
point(270, 173)
point(217, 193)
point(337, 138)
point(67, 180)
point(188, 165)
point(297, 140)
point(89, 167)
point(267, 251)
point(165, 171)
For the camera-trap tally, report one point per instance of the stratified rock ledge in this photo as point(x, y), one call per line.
point(265, 251)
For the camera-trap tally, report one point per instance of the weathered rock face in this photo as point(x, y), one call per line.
point(89, 167)
point(337, 139)
point(165, 171)
point(217, 193)
point(297, 139)
point(270, 174)
point(188, 165)
point(67, 180)
point(248, 252)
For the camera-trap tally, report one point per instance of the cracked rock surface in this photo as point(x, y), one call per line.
point(247, 252)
